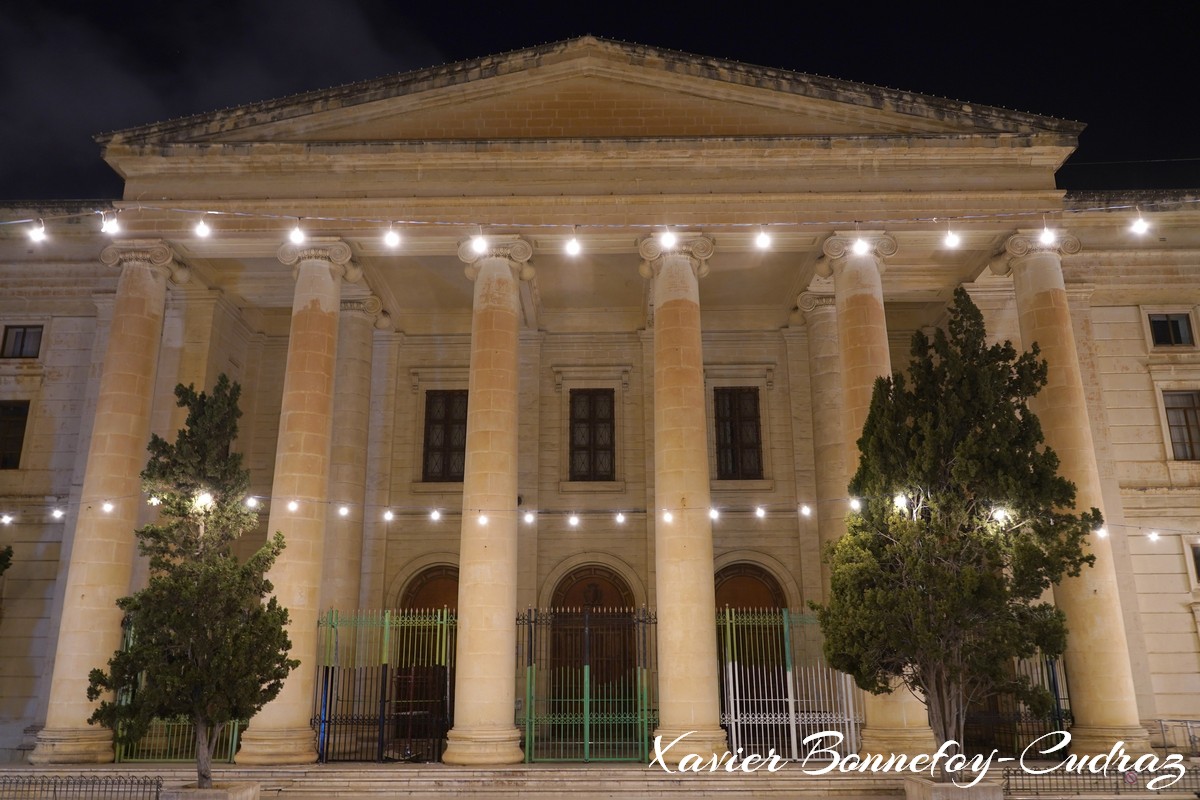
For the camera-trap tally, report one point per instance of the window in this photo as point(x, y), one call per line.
point(13, 415)
point(1183, 421)
point(593, 457)
point(1167, 330)
point(739, 444)
point(1195, 549)
point(445, 435)
point(21, 341)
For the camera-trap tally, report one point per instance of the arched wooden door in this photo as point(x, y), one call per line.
point(432, 587)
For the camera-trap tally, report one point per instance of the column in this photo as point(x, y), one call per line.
point(485, 674)
point(1103, 699)
point(348, 462)
point(683, 542)
point(825, 376)
point(101, 557)
point(897, 722)
point(280, 733)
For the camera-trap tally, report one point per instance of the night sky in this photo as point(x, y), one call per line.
point(70, 70)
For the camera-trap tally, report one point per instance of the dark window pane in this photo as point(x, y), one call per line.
point(445, 435)
point(13, 416)
point(1183, 422)
point(738, 433)
point(593, 449)
point(21, 341)
point(1168, 330)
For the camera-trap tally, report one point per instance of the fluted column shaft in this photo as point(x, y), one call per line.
point(686, 602)
point(896, 722)
point(485, 668)
point(280, 733)
point(101, 559)
point(348, 476)
point(1103, 700)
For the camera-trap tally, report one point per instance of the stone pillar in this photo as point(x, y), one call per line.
point(688, 687)
point(897, 722)
point(101, 557)
point(485, 674)
point(280, 733)
point(1103, 699)
point(825, 376)
point(348, 461)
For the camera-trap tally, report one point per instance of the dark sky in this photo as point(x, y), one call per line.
point(69, 70)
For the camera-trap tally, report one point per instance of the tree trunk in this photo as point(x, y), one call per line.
point(203, 757)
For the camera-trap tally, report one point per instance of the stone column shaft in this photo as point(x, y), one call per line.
point(896, 722)
point(485, 672)
point(1103, 700)
point(101, 558)
point(688, 688)
point(280, 733)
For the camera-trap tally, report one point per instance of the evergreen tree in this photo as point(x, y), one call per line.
point(964, 525)
point(204, 644)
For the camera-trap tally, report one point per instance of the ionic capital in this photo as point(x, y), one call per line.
point(369, 308)
point(334, 252)
point(153, 253)
point(1026, 243)
point(808, 302)
point(845, 244)
point(696, 248)
point(513, 249)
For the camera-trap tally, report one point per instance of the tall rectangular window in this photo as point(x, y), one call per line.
point(21, 341)
point(445, 435)
point(593, 425)
point(1183, 420)
point(1169, 330)
point(13, 416)
point(739, 439)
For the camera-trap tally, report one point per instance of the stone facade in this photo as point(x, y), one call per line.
point(339, 342)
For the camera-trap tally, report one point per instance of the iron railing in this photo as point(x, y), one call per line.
point(1177, 736)
point(79, 787)
point(776, 688)
point(1059, 782)
point(385, 682)
point(175, 740)
point(1008, 727)
point(589, 688)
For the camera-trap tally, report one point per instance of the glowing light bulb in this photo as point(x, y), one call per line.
point(5, 519)
point(388, 516)
point(38, 234)
point(344, 511)
point(107, 507)
point(620, 518)
point(806, 511)
point(435, 515)
point(202, 230)
point(760, 512)
point(763, 240)
point(1000, 515)
point(1154, 536)
point(573, 521)
point(1102, 533)
point(573, 247)
point(391, 238)
point(203, 501)
point(57, 513)
point(251, 502)
point(293, 505)
point(667, 239)
point(479, 244)
point(109, 224)
point(668, 516)
point(153, 500)
point(952, 239)
point(528, 517)
point(900, 501)
point(1139, 226)
point(483, 520)
point(714, 514)
point(1048, 236)
point(855, 504)
point(297, 234)
point(860, 247)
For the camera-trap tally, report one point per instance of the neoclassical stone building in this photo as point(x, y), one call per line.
point(572, 417)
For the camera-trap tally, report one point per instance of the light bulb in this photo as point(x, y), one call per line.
point(714, 514)
point(435, 515)
point(107, 507)
point(528, 517)
point(293, 505)
point(297, 235)
point(573, 521)
point(203, 501)
point(620, 518)
point(952, 239)
point(202, 230)
point(5, 519)
point(391, 238)
point(860, 247)
point(388, 516)
point(1154, 536)
point(900, 501)
point(806, 511)
point(1139, 226)
point(344, 511)
point(1102, 533)
point(668, 516)
point(483, 520)
point(763, 240)
point(251, 502)
point(1047, 236)
point(153, 500)
point(855, 504)
point(109, 224)
point(999, 515)
point(38, 234)
point(57, 513)
point(760, 512)
point(667, 239)
point(573, 247)
point(479, 244)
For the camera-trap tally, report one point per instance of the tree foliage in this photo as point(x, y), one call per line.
point(204, 644)
point(964, 525)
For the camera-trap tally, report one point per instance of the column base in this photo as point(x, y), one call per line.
point(277, 746)
point(705, 744)
point(72, 746)
point(897, 741)
point(483, 747)
point(1093, 740)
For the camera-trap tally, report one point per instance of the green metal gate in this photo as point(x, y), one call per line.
point(589, 693)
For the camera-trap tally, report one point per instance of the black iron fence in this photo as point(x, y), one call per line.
point(1007, 726)
point(79, 787)
point(1045, 780)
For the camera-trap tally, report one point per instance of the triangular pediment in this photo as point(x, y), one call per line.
point(590, 88)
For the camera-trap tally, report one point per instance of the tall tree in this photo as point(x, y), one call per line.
point(964, 525)
point(203, 644)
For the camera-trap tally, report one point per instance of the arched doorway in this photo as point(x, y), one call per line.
point(432, 587)
point(592, 586)
point(744, 585)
